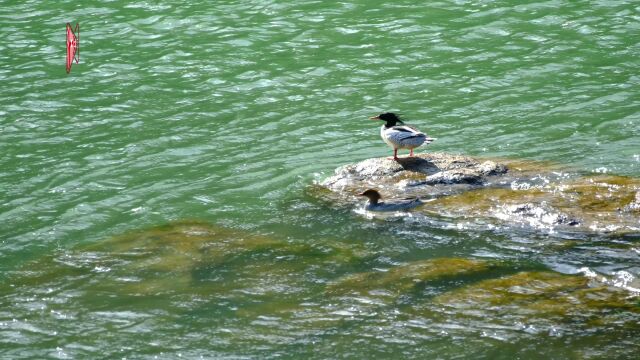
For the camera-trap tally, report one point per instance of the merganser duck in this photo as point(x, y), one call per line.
point(400, 136)
point(375, 204)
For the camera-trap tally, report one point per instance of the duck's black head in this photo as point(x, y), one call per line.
point(390, 118)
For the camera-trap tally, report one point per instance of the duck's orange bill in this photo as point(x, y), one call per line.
point(375, 118)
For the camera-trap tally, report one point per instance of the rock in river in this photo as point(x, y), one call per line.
point(527, 194)
point(412, 176)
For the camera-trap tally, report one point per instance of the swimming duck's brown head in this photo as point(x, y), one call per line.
point(373, 195)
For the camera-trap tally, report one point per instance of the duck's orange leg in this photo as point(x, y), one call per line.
point(395, 155)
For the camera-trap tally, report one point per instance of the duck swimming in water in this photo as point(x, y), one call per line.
point(375, 204)
point(400, 136)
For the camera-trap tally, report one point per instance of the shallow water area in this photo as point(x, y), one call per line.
point(160, 200)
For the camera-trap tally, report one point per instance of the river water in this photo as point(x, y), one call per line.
point(159, 201)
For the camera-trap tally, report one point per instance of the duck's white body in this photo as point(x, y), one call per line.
point(403, 137)
point(400, 136)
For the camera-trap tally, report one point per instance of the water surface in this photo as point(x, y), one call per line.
point(225, 114)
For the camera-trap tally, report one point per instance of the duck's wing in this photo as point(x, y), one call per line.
point(403, 132)
point(403, 205)
point(411, 127)
point(406, 128)
point(413, 130)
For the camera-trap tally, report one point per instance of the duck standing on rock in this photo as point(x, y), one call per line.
point(400, 136)
point(375, 204)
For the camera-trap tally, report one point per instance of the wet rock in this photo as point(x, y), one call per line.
point(591, 204)
point(462, 176)
point(473, 174)
point(635, 204)
point(531, 194)
point(599, 201)
point(419, 173)
point(538, 213)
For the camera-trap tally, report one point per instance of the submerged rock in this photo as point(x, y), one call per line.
point(188, 256)
point(404, 278)
point(535, 214)
point(541, 298)
point(635, 204)
point(589, 204)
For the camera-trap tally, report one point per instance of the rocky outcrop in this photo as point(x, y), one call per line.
point(410, 175)
point(515, 193)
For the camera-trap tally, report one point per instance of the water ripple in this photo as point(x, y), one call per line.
point(226, 111)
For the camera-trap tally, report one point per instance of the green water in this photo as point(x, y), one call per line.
point(225, 113)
